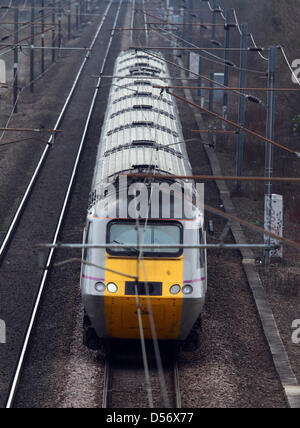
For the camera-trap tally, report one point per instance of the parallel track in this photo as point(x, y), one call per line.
point(133, 376)
point(16, 218)
point(10, 233)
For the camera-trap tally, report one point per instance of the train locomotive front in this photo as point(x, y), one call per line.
point(142, 133)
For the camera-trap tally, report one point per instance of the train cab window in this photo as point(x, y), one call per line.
point(160, 233)
point(202, 250)
point(87, 252)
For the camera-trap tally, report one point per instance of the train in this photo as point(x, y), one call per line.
point(126, 285)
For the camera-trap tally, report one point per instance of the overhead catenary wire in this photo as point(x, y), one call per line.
point(236, 125)
point(23, 40)
point(237, 24)
point(12, 226)
point(6, 7)
point(137, 293)
point(138, 305)
point(296, 153)
point(192, 72)
point(139, 314)
point(149, 305)
point(61, 48)
point(28, 23)
point(162, 380)
point(194, 48)
point(140, 321)
point(250, 34)
point(239, 28)
point(218, 59)
point(161, 176)
point(249, 97)
point(242, 127)
point(51, 131)
point(227, 88)
point(73, 246)
point(21, 90)
point(37, 18)
point(112, 76)
point(193, 24)
point(207, 207)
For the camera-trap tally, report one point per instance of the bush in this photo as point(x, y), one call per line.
point(296, 124)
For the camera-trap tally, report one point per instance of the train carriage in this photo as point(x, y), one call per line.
point(141, 133)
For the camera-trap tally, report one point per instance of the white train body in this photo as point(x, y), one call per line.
point(141, 133)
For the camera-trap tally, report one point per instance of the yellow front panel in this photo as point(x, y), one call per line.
point(121, 311)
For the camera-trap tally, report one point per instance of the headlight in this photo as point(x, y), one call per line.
point(100, 287)
point(187, 289)
point(175, 289)
point(112, 288)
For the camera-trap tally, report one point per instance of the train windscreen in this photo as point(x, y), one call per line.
point(153, 233)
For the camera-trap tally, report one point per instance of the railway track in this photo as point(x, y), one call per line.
point(124, 372)
point(16, 218)
point(125, 383)
point(140, 36)
point(124, 379)
point(20, 220)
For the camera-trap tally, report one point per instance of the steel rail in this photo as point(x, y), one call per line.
point(132, 21)
point(145, 19)
point(16, 218)
point(107, 383)
point(20, 363)
point(177, 385)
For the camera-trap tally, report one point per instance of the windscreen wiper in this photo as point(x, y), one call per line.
point(131, 249)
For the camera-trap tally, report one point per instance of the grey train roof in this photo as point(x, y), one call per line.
point(141, 125)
